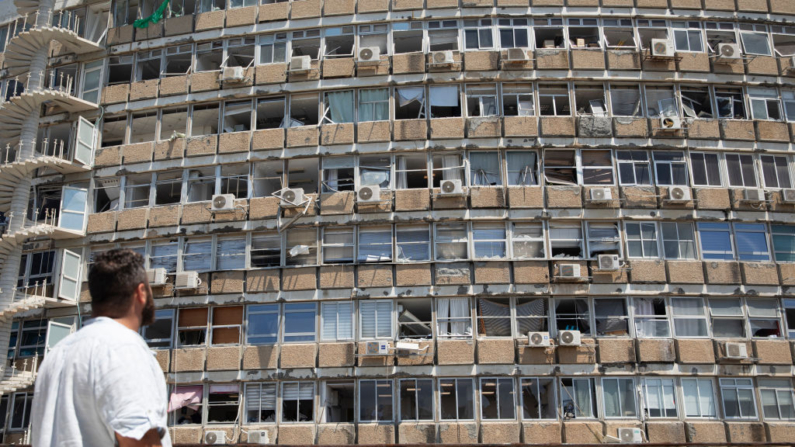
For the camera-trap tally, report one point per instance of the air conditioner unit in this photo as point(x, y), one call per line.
point(156, 276)
point(538, 339)
point(223, 202)
point(233, 74)
point(670, 123)
point(368, 193)
point(569, 270)
point(258, 437)
point(788, 195)
point(292, 197)
point(791, 63)
point(630, 435)
point(570, 338)
point(377, 348)
point(679, 194)
point(215, 437)
point(300, 63)
point(609, 262)
point(369, 54)
point(451, 188)
point(662, 48)
point(753, 195)
point(187, 281)
point(517, 55)
point(736, 351)
point(601, 194)
point(728, 52)
point(442, 58)
point(407, 346)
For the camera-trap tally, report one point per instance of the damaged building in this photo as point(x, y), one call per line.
point(408, 221)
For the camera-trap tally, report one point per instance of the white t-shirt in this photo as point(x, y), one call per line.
point(100, 380)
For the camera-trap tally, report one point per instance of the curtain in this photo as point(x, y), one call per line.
point(535, 308)
point(402, 176)
point(374, 104)
point(185, 396)
point(442, 313)
point(341, 106)
point(261, 398)
point(582, 396)
point(610, 391)
point(449, 163)
point(521, 168)
point(484, 168)
point(410, 94)
point(444, 96)
point(459, 308)
point(500, 323)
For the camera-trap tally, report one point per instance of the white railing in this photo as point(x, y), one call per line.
point(11, 372)
point(39, 288)
point(67, 20)
point(50, 218)
point(49, 148)
point(59, 82)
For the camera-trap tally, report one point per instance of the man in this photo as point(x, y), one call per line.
point(101, 386)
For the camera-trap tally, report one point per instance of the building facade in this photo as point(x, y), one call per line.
point(408, 221)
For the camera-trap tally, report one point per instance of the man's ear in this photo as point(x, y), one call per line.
point(141, 294)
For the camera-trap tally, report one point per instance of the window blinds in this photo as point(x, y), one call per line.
point(261, 397)
point(337, 321)
point(376, 319)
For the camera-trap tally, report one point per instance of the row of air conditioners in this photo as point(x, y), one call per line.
point(218, 437)
point(607, 263)
point(565, 338)
point(183, 280)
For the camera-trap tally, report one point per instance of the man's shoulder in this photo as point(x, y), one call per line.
point(103, 337)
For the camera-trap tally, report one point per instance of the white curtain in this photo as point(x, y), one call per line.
point(374, 104)
point(443, 312)
point(456, 312)
point(341, 106)
point(402, 177)
point(449, 162)
point(444, 96)
point(409, 94)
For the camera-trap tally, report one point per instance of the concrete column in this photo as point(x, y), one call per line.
point(38, 65)
point(10, 272)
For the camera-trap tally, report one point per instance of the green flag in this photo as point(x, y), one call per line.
point(154, 18)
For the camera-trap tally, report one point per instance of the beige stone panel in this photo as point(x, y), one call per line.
point(772, 131)
point(188, 359)
point(174, 85)
point(695, 351)
point(705, 432)
point(447, 203)
point(685, 272)
point(163, 357)
point(694, 62)
point(311, 211)
point(364, 6)
point(722, 272)
point(102, 222)
point(630, 127)
point(772, 352)
point(719, 5)
point(153, 31)
point(204, 145)
point(373, 131)
point(336, 434)
point(611, 426)
point(210, 20)
point(738, 203)
point(578, 354)
point(234, 142)
point(728, 67)
point(525, 197)
point(186, 435)
point(552, 59)
point(787, 274)
point(780, 431)
point(751, 6)
point(238, 214)
point(338, 68)
point(196, 213)
point(707, 129)
point(456, 66)
point(132, 219)
point(374, 360)
point(408, 275)
point(656, 350)
point(305, 9)
point(556, 270)
point(651, 3)
point(374, 69)
point(336, 277)
point(296, 434)
point(338, 7)
point(740, 432)
point(666, 432)
point(227, 282)
point(417, 433)
point(271, 73)
point(622, 59)
point(575, 432)
point(477, 3)
point(547, 2)
point(170, 149)
point(495, 351)
point(686, 4)
point(499, 432)
point(374, 276)
point(759, 273)
point(336, 134)
point(412, 200)
point(521, 126)
point(263, 280)
point(263, 208)
point(455, 352)
point(267, 139)
point(412, 129)
point(762, 65)
point(657, 131)
point(138, 152)
point(492, 273)
point(376, 434)
point(533, 355)
point(274, 11)
point(337, 203)
point(541, 432)
point(531, 272)
point(241, 16)
point(458, 433)
point(647, 271)
point(478, 60)
point(564, 197)
point(225, 358)
point(587, 59)
point(108, 156)
point(261, 357)
point(162, 291)
point(202, 82)
point(295, 355)
point(599, 276)
point(409, 62)
point(782, 7)
point(303, 278)
point(485, 127)
point(333, 355)
point(313, 74)
point(616, 350)
point(144, 89)
point(615, 203)
point(650, 64)
point(269, 428)
point(178, 25)
point(437, 4)
point(453, 274)
point(487, 197)
point(304, 135)
point(516, 65)
point(425, 357)
point(119, 35)
point(582, 3)
point(445, 128)
point(639, 196)
point(558, 126)
point(164, 216)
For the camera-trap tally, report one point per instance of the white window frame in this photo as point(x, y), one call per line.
point(454, 393)
point(497, 382)
point(689, 28)
point(379, 306)
point(737, 385)
point(702, 384)
point(620, 391)
point(660, 384)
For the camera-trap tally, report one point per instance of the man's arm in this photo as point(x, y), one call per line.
point(150, 439)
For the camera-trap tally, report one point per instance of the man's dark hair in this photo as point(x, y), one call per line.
point(113, 279)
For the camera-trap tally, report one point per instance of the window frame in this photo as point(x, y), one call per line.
point(498, 381)
point(728, 384)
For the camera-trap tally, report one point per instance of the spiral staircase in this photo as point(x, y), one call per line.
point(22, 158)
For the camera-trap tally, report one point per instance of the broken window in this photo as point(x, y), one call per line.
point(59, 77)
point(447, 167)
point(186, 403)
point(659, 398)
point(120, 70)
point(136, 191)
point(788, 97)
point(696, 102)
point(452, 241)
point(478, 34)
point(303, 173)
point(124, 12)
point(204, 119)
point(651, 29)
point(453, 317)
point(306, 43)
point(517, 100)
point(223, 403)
point(527, 240)
point(21, 408)
point(730, 103)
point(531, 315)
point(36, 270)
point(481, 100)
point(651, 318)
point(619, 33)
point(565, 240)
point(706, 169)
point(619, 397)
point(549, 33)
point(522, 168)
point(148, 65)
point(497, 398)
point(338, 174)
point(178, 60)
point(173, 123)
point(443, 35)
point(303, 110)
point(192, 326)
point(301, 246)
point(783, 40)
point(267, 178)
point(260, 403)
point(514, 33)
point(484, 168)
point(603, 238)
point(413, 243)
point(338, 245)
point(179, 8)
point(209, 56)
point(457, 399)
point(271, 113)
point(660, 101)
point(240, 52)
point(114, 128)
point(225, 325)
point(416, 400)
point(590, 99)
point(262, 324)
point(670, 168)
point(407, 37)
point(374, 104)
point(201, 184)
point(142, 128)
point(242, 3)
point(374, 36)
point(597, 167)
point(375, 400)
point(741, 170)
point(765, 104)
point(410, 103)
point(634, 168)
point(336, 321)
point(211, 5)
point(159, 333)
point(234, 180)
point(584, 33)
point(375, 170)
point(688, 37)
point(718, 33)
point(489, 240)
point(338, 402)
point(197, 255)
point(168, 188)
point(560, 167)
point(273, 48)
point(538, 398)
point(415, 319)
point(775, 171)
point(164, 255)
point(573, 315)
point(266, 250)
point(338, 107)
point(445, 101)
point(339, 42)
point(237, 116)
point(411, 171)
point(553, 100)
point(299, 322)
point(106, 195)
point(755, 39)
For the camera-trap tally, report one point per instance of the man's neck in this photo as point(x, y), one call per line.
point(129, 321)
